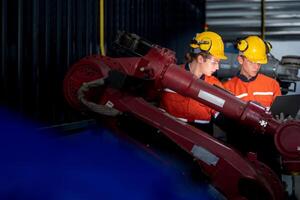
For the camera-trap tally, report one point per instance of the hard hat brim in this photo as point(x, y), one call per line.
point(222, 57)
point(261, 61)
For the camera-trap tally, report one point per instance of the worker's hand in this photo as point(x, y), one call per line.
point(283, 119)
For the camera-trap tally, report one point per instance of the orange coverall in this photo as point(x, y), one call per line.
point(261, 89)
point(187, 109)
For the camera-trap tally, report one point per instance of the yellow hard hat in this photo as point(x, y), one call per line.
point(254, 49)
point(209, 42)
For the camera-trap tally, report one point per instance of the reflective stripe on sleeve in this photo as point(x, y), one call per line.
point(263, 93)
point(168, 90)
point(201, 121)
point(242, 95)
point(185, 120)
point(197, 121)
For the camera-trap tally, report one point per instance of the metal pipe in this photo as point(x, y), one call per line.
point(263, 19)
point(101, 14)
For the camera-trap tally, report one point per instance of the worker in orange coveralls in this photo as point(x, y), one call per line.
point(249, 84)
point(207, 49)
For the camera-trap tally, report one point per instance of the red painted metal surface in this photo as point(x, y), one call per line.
point(229, 172)
point(158, 65)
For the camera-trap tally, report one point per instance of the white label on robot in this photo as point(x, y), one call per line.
point(204, 155)
point(211, 98)
point(109, 104)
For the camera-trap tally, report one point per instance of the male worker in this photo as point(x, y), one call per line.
point(206, 51)
point(249, 84)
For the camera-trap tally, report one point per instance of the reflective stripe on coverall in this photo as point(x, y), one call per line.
point(261, 89)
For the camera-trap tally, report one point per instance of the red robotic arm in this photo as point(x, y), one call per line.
point(229, 171)
point(158, 65)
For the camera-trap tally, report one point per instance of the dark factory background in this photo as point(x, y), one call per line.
point(40, 40)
